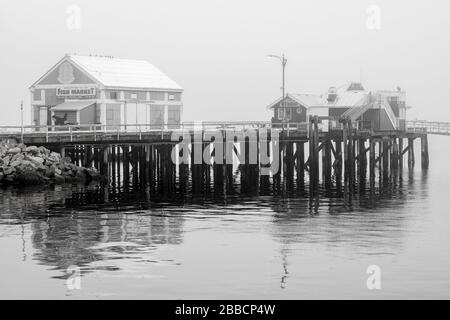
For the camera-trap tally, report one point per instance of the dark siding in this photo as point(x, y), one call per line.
point(379, 119)
point(336, 112)
point(292, 106)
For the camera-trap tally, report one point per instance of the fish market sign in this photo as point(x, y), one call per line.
point(75, 92)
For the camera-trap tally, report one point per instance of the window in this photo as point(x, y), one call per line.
point(113, 95)
point(281, 112)
point(109, 114)
point(133, 96)
point(174, 96)
point(158, 115)
point(174, 116)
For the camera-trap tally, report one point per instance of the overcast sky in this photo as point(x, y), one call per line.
point(216, 49)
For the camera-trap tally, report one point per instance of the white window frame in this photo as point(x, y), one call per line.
point(280, 113)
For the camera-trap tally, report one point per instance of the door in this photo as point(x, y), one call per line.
point(43, 118)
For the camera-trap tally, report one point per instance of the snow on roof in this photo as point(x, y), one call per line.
point(348, 99)
point(124, 73)
point(308, 100)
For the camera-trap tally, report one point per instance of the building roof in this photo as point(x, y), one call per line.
point(307, 100)
point(344, 99)
point(124, 73)
point(118, 73)
point(347, 99)
point(73, 105)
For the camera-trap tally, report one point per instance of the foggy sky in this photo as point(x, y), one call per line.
point(217, 50)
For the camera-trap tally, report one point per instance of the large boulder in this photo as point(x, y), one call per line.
point(36, 160)
point(14, 150)
point(17, 157)
point(32, 149)
point(15, 163)
point(55, 156)
point(6, 160)
point(8, 171)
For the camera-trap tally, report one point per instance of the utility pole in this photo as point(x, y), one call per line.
point(283, 61)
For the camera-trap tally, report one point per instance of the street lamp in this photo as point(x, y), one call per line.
point(283, 61)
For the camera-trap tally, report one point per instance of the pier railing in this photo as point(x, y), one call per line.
point(430, 127)
point(72, 132)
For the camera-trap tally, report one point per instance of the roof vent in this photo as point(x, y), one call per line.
point(332, 94)
point(355, 86)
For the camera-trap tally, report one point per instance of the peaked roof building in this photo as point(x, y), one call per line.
point(103, 90)
point(383, 108)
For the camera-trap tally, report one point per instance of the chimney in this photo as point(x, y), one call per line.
point(332, 94)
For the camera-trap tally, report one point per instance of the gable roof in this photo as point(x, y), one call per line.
point(306, 100)
point(120, 73)
point(343, 99)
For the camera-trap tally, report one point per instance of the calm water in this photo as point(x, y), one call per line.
point(130, 244)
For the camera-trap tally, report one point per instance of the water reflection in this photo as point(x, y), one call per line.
point(95, 227)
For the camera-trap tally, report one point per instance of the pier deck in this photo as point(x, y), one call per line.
point(336, 156)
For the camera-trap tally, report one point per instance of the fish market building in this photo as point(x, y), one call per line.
point(119, 93)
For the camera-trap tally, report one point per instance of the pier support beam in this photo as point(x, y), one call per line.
point(372, 163)
point(400, 153)
point(300, 159)
point(411, 160)
point(327, 162)
point(424, 151)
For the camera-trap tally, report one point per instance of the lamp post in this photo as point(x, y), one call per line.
point(283, 61)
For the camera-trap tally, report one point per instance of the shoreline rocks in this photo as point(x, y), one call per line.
point(32, 165)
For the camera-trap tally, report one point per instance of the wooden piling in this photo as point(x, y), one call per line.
point(338, 163)
point(424, 151)
point(327, 162)
point(385, 160)
point(372, 163)
point(400, 153)
point(300, 161)
point(411, 160)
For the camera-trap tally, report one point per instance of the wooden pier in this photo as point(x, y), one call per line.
point(342, 158)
